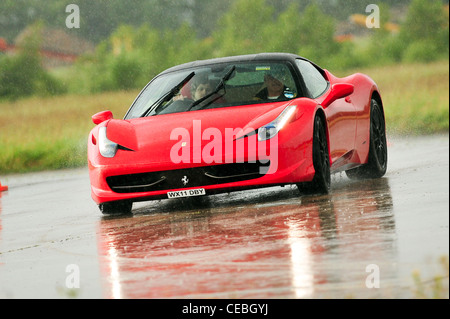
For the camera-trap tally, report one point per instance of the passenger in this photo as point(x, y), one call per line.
point(200, 87)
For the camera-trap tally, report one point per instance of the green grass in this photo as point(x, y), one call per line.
point(435, 287)
point(415, 96)
point(51, 133)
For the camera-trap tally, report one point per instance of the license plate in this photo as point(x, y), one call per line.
point(187, 193)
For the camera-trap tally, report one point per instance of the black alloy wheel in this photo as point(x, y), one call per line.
point(377, 163)
point(321, 161)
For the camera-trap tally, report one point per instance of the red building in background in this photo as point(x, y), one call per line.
point(57, 47)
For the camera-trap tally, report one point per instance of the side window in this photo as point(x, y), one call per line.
point(314, 81)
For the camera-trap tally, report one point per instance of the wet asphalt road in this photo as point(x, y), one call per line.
point(366, 239)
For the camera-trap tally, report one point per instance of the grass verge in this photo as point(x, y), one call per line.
point(415, 96)
point(51, 133)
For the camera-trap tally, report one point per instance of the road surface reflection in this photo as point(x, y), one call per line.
point(259, 244)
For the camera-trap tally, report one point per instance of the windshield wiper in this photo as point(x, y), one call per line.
point(169, 94)
point(219, 86)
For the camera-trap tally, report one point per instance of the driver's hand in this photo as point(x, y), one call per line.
point(179, 97)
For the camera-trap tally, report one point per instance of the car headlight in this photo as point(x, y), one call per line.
point(106, 147)
point(271, 129)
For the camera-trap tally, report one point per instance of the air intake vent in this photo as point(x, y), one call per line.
point(183, 178)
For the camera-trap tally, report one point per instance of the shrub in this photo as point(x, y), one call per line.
point(424, 34)
point(17, 76)
point(421, 51)
point(125, 72)
point(23, 75)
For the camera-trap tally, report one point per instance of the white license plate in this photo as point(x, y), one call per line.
point(187, 193)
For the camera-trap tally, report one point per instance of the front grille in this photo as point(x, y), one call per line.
point(190, 177)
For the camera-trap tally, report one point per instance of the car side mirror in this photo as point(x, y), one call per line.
point(101, 117)
point(338, 91)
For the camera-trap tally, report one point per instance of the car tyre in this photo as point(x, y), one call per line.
point(377, 163)
point(321, 161)
point(116, 208)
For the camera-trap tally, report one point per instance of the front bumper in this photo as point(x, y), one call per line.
point(139, 182)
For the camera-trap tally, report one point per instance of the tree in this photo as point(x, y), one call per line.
point(316, 35)
point(424, 34)
point(22, 74)
point(284, 34)
point(242, 29)
point(425, 18)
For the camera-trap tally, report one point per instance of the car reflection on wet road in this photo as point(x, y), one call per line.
point(262, 247)
point(363, 240)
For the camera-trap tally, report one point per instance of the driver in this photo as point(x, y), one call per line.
point(274, 86)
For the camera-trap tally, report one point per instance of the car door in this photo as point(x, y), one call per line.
point(341, 115)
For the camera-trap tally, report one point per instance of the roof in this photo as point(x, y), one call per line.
point(239, 58)
point(56, 40)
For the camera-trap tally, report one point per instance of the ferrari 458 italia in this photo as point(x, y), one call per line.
point(236, 123)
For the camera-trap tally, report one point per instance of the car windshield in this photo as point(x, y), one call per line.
point(218, 85)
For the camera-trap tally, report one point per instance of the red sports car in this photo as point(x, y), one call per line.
point(236, 123)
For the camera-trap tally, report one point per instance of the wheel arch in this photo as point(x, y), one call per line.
point(377, 97)
point(321, 113)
